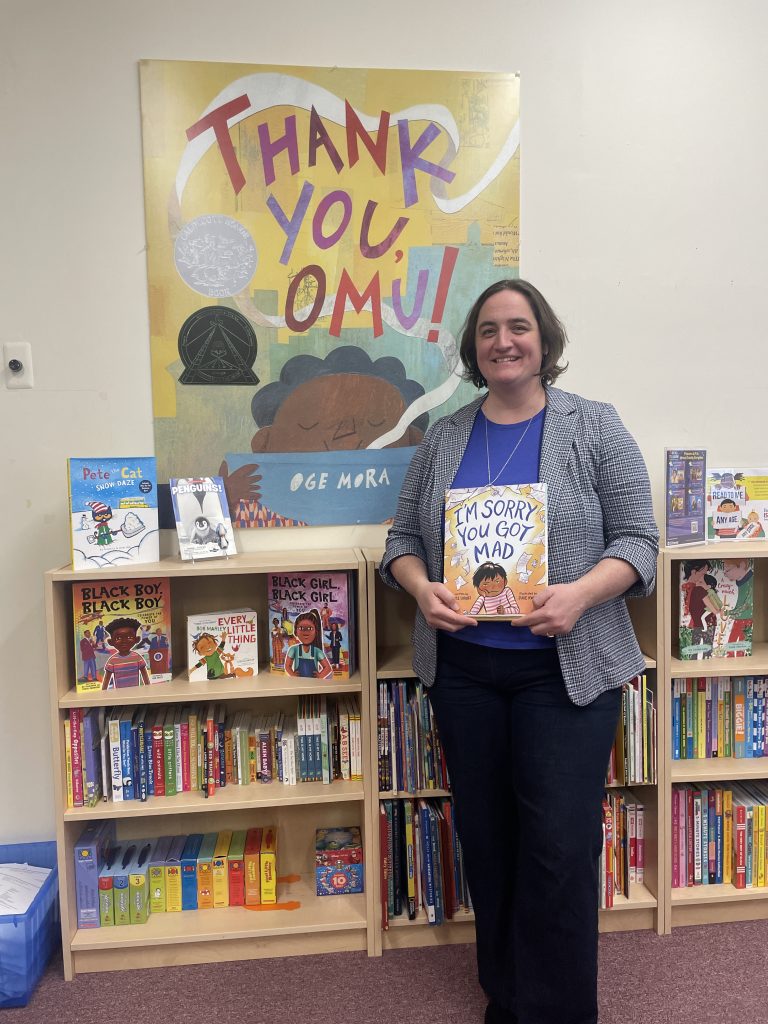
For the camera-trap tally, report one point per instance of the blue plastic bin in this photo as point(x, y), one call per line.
point(27, 940)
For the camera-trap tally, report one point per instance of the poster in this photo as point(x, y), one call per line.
point(316, 237)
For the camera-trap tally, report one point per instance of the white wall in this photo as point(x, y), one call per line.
point(644, 164)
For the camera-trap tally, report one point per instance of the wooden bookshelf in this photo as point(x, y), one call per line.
point(708, 904)
point(308, 923)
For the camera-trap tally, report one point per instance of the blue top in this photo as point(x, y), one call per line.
point(522, 468)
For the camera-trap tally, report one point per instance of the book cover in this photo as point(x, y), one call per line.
point(122, 633)
point(311, 624)
point(222, 644)
point(113, 512)
point(201, 512)
point(737, 504)
point(716, 608)
point(685, 475)
point(342, 845)
point(495, 552)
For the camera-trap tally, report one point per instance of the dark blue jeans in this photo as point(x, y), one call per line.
point(527, 770)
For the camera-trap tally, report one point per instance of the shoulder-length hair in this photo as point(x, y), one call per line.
point(553, 334)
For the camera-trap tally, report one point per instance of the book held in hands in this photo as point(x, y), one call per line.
point(495, 549)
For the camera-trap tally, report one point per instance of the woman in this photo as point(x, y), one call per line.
point(527, 711)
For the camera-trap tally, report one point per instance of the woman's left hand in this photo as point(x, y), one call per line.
point(556, 610)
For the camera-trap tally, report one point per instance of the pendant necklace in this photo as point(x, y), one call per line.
point(509, 457)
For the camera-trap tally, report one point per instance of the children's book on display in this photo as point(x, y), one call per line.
point(222, 645)
point(737, 504)
point(202, 517)
point(495, 553)
point(716, 608)
point(311, 624)
point(122, 633)
point(685, 482)
point(113, 512)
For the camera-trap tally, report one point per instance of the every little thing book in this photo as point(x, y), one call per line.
point(113, 512)
point(495, 553)
point(202, 517)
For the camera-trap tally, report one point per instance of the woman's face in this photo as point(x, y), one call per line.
point(507, 340)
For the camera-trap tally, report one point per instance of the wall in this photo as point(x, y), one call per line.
point(644, 160)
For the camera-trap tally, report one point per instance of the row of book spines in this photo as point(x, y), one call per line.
point(719, 717)
point(192, 872)
point(719, 835)
point(190, 749)
point(410, 755)
point(422, 866)
point(633, 755)
point(622, 858)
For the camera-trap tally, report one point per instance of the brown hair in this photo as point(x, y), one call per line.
point(553, 335)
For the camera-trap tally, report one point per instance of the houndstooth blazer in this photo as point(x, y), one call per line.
point(599, 506)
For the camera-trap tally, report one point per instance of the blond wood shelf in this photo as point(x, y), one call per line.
point(755, 664)
point(719, 769)
point(315, 914)
point(699, 894)
point(420, 921)
point(404, 794)
point(181, 690)
point(319, 924)
point(230, 798)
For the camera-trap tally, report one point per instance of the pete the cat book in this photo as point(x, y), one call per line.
point(113, 512)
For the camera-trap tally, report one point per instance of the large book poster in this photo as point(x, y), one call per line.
point(316, 237)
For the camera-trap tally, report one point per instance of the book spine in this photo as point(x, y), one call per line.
point(126, 757)
point(76, 740)
point(115, 760)
point(68, 761)
point(186, 778)
point(158, 758)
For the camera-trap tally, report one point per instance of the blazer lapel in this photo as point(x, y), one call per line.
point(560, 422)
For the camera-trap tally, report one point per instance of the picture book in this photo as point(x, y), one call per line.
point(202, 517)
point(737, 504)
point(122, 633)
point(222, 645)
point(716, 608)
point(685, 481)
point(311, 624)
point(495, 551)
point(113, 512)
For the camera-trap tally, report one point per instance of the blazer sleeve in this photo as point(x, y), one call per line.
point(625, 495)
point(405, 533)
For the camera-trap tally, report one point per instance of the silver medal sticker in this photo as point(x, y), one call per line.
point(215, 255)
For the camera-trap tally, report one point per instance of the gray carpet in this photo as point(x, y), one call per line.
point(713, 975)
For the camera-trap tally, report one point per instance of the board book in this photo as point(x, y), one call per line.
point(222, 645)
point(122, 633)
point(716, 608)
point(737, 504)
point(312, 624)
point(113, 512)
point(495, 548)
point(201, 512)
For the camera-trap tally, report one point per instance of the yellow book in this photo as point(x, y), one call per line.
point(720, 720)
point(68, 762)
point(269, 865)
point(727, 836)
point(220, 870)
point(205, 872)
point(173, 875)
point(760, 811)
point(194, 739)
point(701, 719)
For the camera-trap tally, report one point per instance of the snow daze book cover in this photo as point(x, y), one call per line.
point(495, 554)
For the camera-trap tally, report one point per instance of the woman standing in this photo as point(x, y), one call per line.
point(527, 711)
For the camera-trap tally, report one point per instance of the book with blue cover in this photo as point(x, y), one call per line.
point(113, 512)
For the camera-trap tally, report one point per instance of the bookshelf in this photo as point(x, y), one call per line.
point(709, 904)
point(390, 619)
point(306, 923)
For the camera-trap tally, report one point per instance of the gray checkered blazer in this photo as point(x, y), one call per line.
point(599, 506)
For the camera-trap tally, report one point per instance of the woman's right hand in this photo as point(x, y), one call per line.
point(440, 608)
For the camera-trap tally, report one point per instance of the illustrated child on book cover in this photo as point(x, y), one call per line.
point(495, 597)
point(307, 658)
point(126, 667)
point(219, 664)
point(715, 608)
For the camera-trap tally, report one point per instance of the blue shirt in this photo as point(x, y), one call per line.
point(522, 468)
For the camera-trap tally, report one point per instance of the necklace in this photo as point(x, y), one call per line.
point(509, 457)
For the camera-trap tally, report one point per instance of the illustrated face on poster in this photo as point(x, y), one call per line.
point(316, 237)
